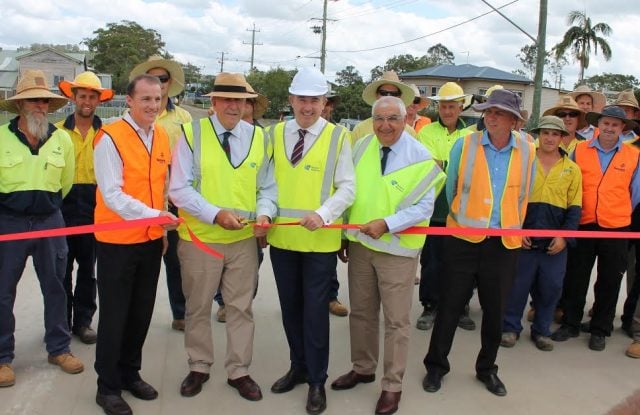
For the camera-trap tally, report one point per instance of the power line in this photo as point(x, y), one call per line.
point(425, 36)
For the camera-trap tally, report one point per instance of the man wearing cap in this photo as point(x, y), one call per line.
point(36, 173)
point(131, 159)
point(573, 117)
point(315, 177)
point(170, 118)
point(86, 92)
point(222, 178)
point(554, 203)
point(415, 120)
point(438, 137)
point(588, 101)
point(610, 191)
point(398, 181)
point(388, 85)
point(488, 181)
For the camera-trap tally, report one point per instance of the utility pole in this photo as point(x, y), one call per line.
point(221, 61)
point(323, 31)
point(253, 43)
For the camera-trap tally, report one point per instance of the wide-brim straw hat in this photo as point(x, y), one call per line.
point(502, 99)
point(612, 111)
point(260, 103)
point(391, 78)
point(550, 122)
point(599, 100)
point(424, 102)
point(86, 80)
point(566, 102)
point(231, 85)
point(33, 84)
point(627, 99)
point(174, 68)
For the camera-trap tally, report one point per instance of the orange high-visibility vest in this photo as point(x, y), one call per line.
point(144, 178)
point(606, 198)
point(473, 202)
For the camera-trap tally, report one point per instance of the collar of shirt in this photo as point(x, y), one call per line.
point(315, 129)
point(70, 122)
point(219, 128)
point(13, 127)
point(485, 141)
point(596, 143)
point(459, 124)
point(139, 130)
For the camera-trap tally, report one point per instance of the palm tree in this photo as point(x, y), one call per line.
point(580, 38)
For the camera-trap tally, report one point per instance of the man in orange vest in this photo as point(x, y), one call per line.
point(610, 190)
point(488, 181)
point(131, 160)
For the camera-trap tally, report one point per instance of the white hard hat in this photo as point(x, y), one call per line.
point(309, 82)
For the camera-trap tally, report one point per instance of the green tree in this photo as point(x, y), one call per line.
point(581, 38)
point(120, 46)
point(348, 76)
point(68, 48)
point(350, 87)
point(274, 84)
point(192, 76)
point(401, 64)
point(439, 54)
point(611, 82)
point(528, 57)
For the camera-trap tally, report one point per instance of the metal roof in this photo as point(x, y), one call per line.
point(466, 71)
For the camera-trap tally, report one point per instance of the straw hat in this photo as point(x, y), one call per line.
point(566, 102)
point(260, 103)
point(390, 78)
point(86, 80)
point(424, 102)
point(33, 84)
point(231, 85)
point(628, 99)
point(550, 122)
point(613, 112)
point(502, 99)
point(174, 68)
point(598, 98)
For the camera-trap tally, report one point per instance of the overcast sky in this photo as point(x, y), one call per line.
point(197, 31)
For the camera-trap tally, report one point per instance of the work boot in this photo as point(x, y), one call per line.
point(465, 322)
point(337, 309)
point(221, 314)
point(67, 362)
point(426, 319)
point(7, 376)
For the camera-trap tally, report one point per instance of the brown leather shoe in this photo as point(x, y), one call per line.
point(192, 384)
point(7, 376)
point(350, 380)
point(388, 403)
point(178, 325)
point(67, 362)
point(247, 388)
point(337, 309)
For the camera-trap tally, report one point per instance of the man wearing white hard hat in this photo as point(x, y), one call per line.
point(86, 92)
point(315, 177)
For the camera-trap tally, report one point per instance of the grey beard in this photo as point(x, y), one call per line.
point(39, 128)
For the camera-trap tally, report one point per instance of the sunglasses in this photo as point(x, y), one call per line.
point(387, 93)
point(163, 78)
point(417, 100)
point(39, 100)
point(572, 114)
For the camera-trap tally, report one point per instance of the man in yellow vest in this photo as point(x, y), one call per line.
point(314, 173)
point(36, 173)
point(131, 161)
point(488, 182)
point(398, 182)
point(86, 92)
point(222, 177)
point(610, 191)
point(171, 118)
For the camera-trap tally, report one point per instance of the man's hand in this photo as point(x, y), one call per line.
point(556, 246)
point(526, 242)
point(375, 229)
point(169, 226)
point(312, 221)
point(260, 230)
point(229, 220)
point(343, 253)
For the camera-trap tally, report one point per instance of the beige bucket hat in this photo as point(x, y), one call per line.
point(598, 98)
point(391, 78)
point(174, 68)
point(566, 102)
point(33, 84)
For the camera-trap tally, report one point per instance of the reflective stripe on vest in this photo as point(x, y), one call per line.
point(379, 196)
point(221, 184)
point(298, 198)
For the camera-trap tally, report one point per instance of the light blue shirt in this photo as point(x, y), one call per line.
point(498, 164)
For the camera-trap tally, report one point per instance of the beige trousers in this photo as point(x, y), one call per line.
point(235, 275)
point(376, 278)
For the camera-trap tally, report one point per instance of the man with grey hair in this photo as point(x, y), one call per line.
point(398, 182)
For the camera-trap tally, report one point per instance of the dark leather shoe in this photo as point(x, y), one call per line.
point(141, 390)
point(597, 343)
point(432, 382)
point(113, 404)
point(564, 333)
point(585, 327)
point(192, 384)
point(388, 403)
point(247, 387)
point(316, 400)
point(86, 334)
point(493, 383)
point(350, 380)
point(288, 381)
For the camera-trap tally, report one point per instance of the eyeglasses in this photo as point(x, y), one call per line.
point(163, 78)
point(387, 93)
point(39, 100)
point(572, 114)
point(417, 100)
point(390, 118)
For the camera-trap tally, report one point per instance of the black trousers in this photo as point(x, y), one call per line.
point(493, 268)
point(81, 299)
point(431, 268)
point(127, 283)
point(612, 264)
point(303, 280)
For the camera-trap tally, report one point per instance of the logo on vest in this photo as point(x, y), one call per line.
point(397, 185)
point(252, 165)
point(621, 167)
point(161, 159)
point(309, 167)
